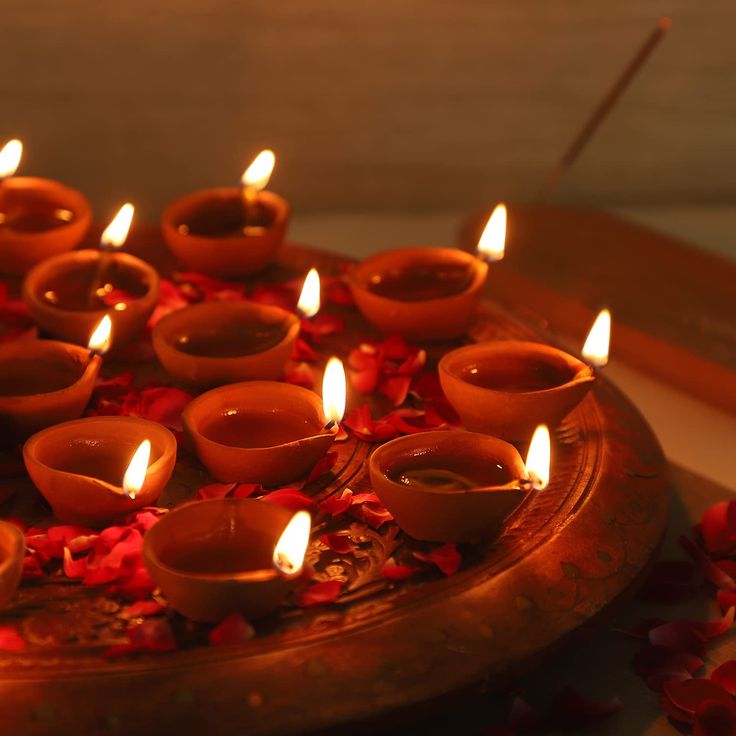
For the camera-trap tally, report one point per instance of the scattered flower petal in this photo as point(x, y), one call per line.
point(318, 594)
point(446, 558)
point(232, 631)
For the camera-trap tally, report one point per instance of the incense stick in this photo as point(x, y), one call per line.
point(603, 108)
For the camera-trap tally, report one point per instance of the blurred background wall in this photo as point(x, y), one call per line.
point(409, 105)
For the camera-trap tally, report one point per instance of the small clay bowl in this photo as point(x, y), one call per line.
point(12, 552)
point(38, 233)
point(426, 318)
point(258, 432)
point(213, 558)
point(43, 382)
point(220, 342)
point(193, 228)
point(70, 276)
point(78, 467)
point(428, 513)
point(507, 388)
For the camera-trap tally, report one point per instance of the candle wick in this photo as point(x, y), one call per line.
point(330, 424)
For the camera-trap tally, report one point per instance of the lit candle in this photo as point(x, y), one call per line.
point(100, 339)
point(113, 237)
point(492, 243)
point(597, 344)
point(255, 178)
point(538, 458)
point(135, 475)
point(288, 555)
point(334, 392)
point(10, 156)
point(309, 299)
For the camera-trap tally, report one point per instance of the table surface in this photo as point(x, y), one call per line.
point(695, 433)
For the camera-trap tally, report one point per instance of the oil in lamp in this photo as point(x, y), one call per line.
point(220, 342)
point(44, 382)
point(263, 431)
point(223, 556)
point(507, 387)
point(229, 231)
point(68, 294)
point(456, 486)
point(93, 471)
point(39, 218)
point(427, 293)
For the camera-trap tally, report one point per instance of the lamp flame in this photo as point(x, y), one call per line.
point(10, 158)
point(597, 343)
point(538, 458)
point(116, 232)
point(288, 555)
point(492, 243)
point(135, 475)
point(256, 176)
point(309, 299)
point(334, 391)
point(99, 341)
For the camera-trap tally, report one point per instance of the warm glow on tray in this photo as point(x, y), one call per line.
point(538, 458)
point(288, 556)
point(595, 350)
point(10, 157)
point(309, 299)
point(256, 176)
point(334, 391)
point(116, 232)
point(135, 475)
point(492, 243)
point(99, 341)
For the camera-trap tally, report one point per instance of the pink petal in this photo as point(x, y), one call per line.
point(232, 631)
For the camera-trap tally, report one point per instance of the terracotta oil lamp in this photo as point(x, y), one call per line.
point(96, 470)
point(427, 293)
point(506, 388)
point(263, 431)
point(222, 556)
point(44, 382)
point(69, 294)
point(39, 218)
point(229, 231)
point(221, 342)
point(12, 552)
point(456, 486)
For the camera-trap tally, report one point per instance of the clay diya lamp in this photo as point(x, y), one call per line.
point(96, 470)
point(452, 486)
point(45, 382)
point(39, 218)
point(263, 431)
point(223, 556)
point(68, 295)
point(12, 552)
point(506, 388)
point(229, 231)
point(221, 342)
point(427, 293)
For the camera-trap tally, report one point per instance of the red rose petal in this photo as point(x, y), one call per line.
point(570, 709)
point(159, 404)
point(446, 558)
point(710, 570)
point(141, 609)
point(74, 568)
point(712, 629)
point(395, 348)
point(675, 713)
point(323, 325)
point(274, 295)
point(303, 351)
point(11, 640)
point(726, 599)
point(670, 582)
point(234, 630)
point(246, 490)
point(715, 719)
point(679, 635)
point(338, 543)
point(215, 490)
point(323, 466)
point(715, 528)
point(300, 374)
point(365, 381)
point(725, 676)
point(394, 571)
point(337, 503)
point(395, 388)
point(338, 292)
point(657, 665)
point(153, 635)
point(290, 498)
point(319, 594)
point(689, 695)
point(138, 586)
